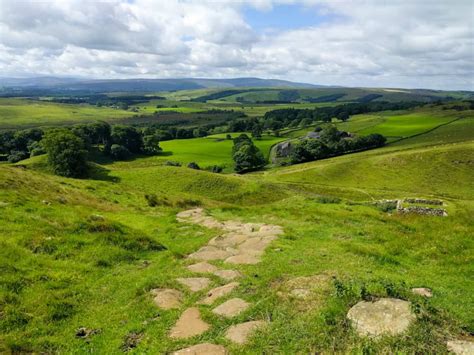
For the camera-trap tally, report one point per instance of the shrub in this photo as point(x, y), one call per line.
point(66, 153)
point(154, 201)
point(17, 155)
point(328, 199)
point(172, 163)
point(215, 169)
point(194, 165)
point(119, 152)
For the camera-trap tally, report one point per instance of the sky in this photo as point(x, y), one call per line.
point(367, 43)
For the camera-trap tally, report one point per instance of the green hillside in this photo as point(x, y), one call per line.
point(87, 252)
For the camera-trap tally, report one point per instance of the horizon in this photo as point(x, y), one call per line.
point(319, 42)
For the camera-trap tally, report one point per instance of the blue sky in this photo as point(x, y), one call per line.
point(286, 17)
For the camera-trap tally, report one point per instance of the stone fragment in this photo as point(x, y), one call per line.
point(422, 291)
point(227, 275)
point(167, 298)
point(240, 333)
point(461, 347)
point(389, 316)
point(202, 267)
point(195, 284)
point(243, 259)
point(202, 349)
point(218, 292)
point(189, 324)
point(231, 308)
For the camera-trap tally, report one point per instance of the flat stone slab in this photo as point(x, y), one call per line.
point(189, 324)
point(208, 253)
point(240, 333)
point(227, 275)
point(231, 308)
point(167, 298)
point(202, 349)
point(389, 316)
point(218, 292)
point(461, 347)
point(202, 267)
point(422, 291)
point(243, 259)
point(195, 284)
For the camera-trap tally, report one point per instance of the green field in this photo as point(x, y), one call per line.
point(86, 252)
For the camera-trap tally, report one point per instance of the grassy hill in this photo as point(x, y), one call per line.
point(86, 253)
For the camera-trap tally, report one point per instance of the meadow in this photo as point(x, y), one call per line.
point(87, 252)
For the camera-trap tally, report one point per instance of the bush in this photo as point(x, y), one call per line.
point(119, 152)
point(328, 199)
point(66, 153)
point(194, 165)
point(246, 155)
point(17, 155)
point(154, 201)
point(172, 163)
point(216, 169)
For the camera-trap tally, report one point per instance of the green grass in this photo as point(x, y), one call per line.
point(17, 113)
point(207, 151)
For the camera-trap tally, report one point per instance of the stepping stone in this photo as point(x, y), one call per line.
point(239, 333)
point(189, 324)
point(228, 240)
point(195, 284)
point(386, 316)
point(461, 347)
point(210, 253)
point(227, 275)
point(167, 298)
point(203, 349)
point(243, 259)
point(218, 292)
point(231, 308)
point(422, 291)
point(202, 267)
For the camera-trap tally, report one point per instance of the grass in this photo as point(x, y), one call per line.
point(86, 253)
point(16, 113)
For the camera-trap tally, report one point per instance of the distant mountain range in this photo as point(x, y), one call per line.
point(143, 85)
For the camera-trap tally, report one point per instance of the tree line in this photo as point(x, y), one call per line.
point(332, 143)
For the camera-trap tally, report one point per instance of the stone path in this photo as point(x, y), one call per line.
point(461, 346)
point(240, 243)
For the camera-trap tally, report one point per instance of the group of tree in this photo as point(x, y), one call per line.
point(291, 117)
point(332, 143)
point(246, 156)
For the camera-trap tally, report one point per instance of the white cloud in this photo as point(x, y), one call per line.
point(369, 43)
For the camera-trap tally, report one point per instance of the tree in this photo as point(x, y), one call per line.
point(66, 153)
point(119, 152)
point(151, 144)
point(128, 137)
point(257, 132)
point(246, 155)
point(308, 150)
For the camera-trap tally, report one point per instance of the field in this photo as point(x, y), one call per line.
point(87, 252)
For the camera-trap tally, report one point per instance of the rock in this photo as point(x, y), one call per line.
point(189, 324)
point(45, 202)
point(195, 284)
point(386, 316)
point(422, 291)
point(227, 275)
point(243, 259)
point(240, 333)
point(461, 347)
point(231, 308)
point(218, 292)
point(202, 349)
point(167, 298)
point(301, 293)
point(96, 218)
point(202, 267)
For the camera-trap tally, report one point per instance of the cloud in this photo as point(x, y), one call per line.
point(399, 43)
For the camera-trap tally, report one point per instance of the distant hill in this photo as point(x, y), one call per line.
point(142, 85)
